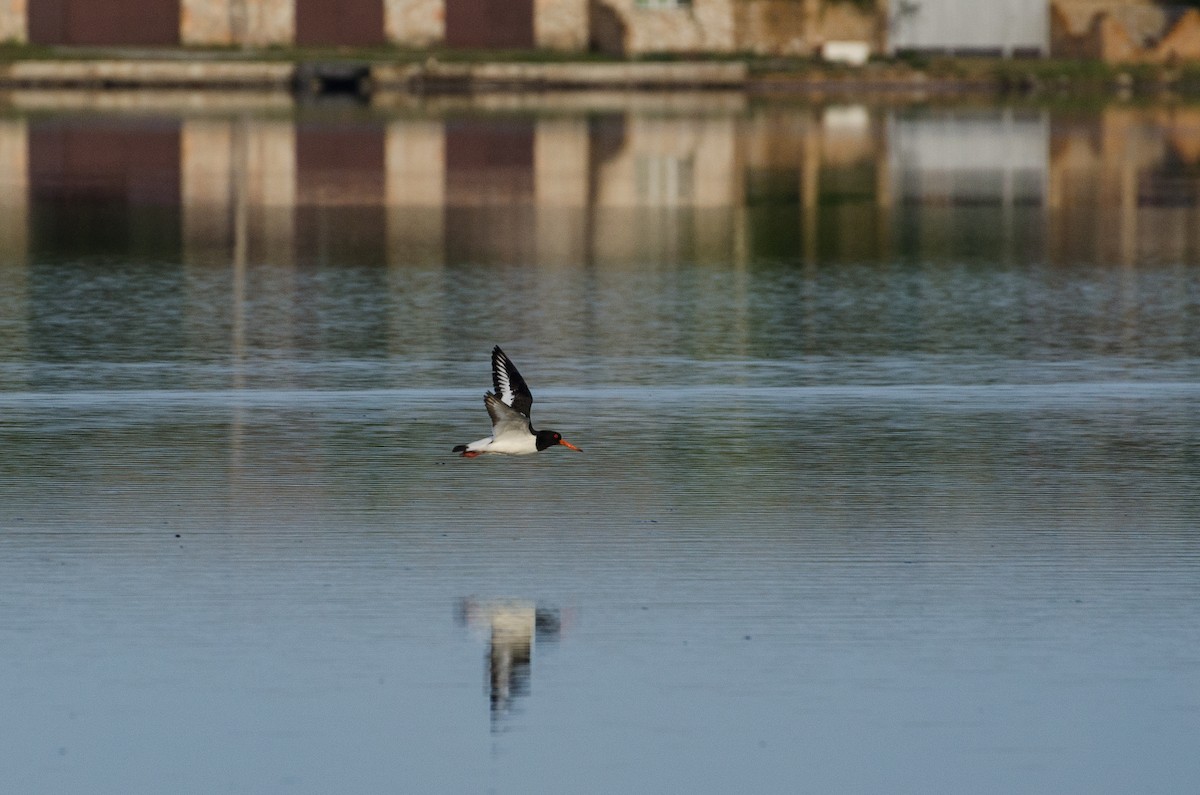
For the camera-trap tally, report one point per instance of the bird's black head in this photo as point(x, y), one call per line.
point(547, 439)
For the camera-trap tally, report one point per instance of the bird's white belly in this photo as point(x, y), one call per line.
point(510, 445)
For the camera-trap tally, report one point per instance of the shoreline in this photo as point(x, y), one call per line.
point(347, 73)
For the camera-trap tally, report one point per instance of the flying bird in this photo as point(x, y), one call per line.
point(509, 406)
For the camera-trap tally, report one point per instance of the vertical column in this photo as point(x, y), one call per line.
point(14, 190)
point(209, 22)
point(717, 181)
point(414, 23)
point(810, 187)
point(245, 22)
point(884, 188)
point(880, 43)
point(1128, 181)
point(205, 187)
point(560, 25)
point(238, 191)
point(810, 11)
point(265, 22)
point(560, 185)
point(243, 165)
point(718, 187)
point(270, 190)
point(14, 236)
point(14, 26)
point(415, 158)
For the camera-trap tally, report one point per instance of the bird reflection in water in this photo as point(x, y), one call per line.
point(511, 628)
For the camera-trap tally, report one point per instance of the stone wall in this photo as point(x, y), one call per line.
point(1182, 42)
point(1124, 31)
point(238, 184)
point(623, 27)
point(703, 26)
point(560, 25)
point(845, 21)
point(13, 27)
point(1141, 20)
point(1099, 37)
point(256, 23)
point(264, 22)
point(800, 27)
point(765, 27)
point(204, 22)
point(415, 161)
point(606, 29)
point(561, 149)
point(14, 201)
point(414, 23)
point(773, 27)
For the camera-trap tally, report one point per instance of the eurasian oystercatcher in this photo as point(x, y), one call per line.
point(512, 432)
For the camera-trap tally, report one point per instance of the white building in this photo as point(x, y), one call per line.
point(965, 27)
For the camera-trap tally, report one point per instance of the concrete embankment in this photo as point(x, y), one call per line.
point(434, 76)
point(117, 73)
point(350, 75)
point(428, 77)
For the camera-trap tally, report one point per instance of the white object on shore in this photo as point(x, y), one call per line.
point(853, 53)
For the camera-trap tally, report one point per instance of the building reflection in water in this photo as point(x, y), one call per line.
point(699, 183)
point(511, 628)
point(647, 184)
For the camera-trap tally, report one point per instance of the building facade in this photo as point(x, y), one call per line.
point(1116, 31)
point(619, 27)
point(1002, 27)
point(1124, 31)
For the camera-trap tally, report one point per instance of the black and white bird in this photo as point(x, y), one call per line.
point(512, 432)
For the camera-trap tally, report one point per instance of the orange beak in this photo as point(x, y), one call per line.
point(569, 446)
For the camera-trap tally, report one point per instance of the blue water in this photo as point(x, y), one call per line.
point(924, 522)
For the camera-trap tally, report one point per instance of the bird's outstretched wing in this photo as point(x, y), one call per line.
point(504, 419)
point(511, 388)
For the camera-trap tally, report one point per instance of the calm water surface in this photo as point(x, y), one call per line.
point(891, 469)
